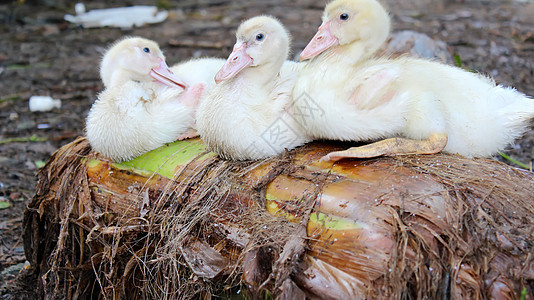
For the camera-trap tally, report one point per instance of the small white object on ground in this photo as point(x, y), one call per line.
point(79, 8)
point(122, 17)
point(43, 103)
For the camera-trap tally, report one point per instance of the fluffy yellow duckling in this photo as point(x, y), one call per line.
point(351, 29)
point(421, 106)
point(245, 116)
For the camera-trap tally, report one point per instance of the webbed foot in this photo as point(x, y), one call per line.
point(392, 146)
point(191, 133)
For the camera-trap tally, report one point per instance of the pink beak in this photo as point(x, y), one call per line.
point(164, 75)
point(237, 61)
point(321, 41)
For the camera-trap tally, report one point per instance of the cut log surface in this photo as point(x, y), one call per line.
point(179, 222)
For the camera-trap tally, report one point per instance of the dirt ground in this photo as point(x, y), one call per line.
point(41, 54)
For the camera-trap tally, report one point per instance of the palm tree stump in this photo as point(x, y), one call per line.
point(179, 223)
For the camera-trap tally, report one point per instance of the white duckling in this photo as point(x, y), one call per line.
point(246, 115)
point(434, 107)
point(143, 106)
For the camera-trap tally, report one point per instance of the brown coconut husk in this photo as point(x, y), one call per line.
point(436, 226)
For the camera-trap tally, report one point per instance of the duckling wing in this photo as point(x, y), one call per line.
point(374, 87)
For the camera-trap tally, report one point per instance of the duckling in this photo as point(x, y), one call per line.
point(246, 116)
point(116, 67)
point(143, 106)
point(419, 106)
point(369, 28)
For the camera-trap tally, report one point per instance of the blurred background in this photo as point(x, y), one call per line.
point(43, 54)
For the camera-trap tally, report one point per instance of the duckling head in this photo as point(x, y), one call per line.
point(364, 24)
point(137, 59)
point(262, 43)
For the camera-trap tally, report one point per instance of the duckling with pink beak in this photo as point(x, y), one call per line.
point(411, 106)
point(144, 104)
point(137, 59)
point(246, 115)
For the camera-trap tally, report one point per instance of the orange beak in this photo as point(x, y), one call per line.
point(237, 61)
point(321, 41)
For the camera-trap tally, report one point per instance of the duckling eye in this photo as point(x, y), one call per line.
point(146, 50)
point(259, 37)
point(344, 17)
